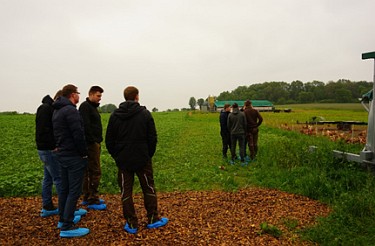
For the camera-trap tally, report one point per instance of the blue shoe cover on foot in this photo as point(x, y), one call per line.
point(157, 224)
point(76, 219)
point(80, 212)
point(130, 230)
point(97, 206)
point(84, 203)
point(79, 232)
point(46, 213)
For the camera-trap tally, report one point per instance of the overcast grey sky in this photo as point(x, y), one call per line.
point(175, 49)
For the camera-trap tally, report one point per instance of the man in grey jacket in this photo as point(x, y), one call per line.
point(237, 128)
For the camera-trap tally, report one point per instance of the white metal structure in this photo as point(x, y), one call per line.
point(367, 155)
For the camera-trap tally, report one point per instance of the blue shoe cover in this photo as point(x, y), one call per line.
point(80, 212)
point(244, 164)
point(46, 213)
point(130, 230)
point(231, 162)
point(97, 206)
point(76, 219)
point(157, 224)
point(84, 203)
point(79, 232)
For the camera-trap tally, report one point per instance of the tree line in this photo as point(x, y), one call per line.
point(341, 91)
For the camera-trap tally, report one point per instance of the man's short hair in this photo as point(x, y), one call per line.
point(95, 88)
point(227, 105)
point(247, 103)
point(130, 93)
point(68, 89)
point(58, 94)
point(235, 105)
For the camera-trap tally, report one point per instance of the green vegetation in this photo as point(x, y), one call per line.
point(341, 91)
point(188, 157)
point(270, 229)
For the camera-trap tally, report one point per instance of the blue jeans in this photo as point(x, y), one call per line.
point(51, 175)
point(72, 171)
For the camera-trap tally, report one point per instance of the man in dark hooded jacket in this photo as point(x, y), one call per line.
point(131, 140)
point(46, 146)
point(237, 128)
point(224, 132)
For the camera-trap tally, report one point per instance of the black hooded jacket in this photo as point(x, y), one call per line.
point(131, 136)
point(68, 129)
point(43, 125)
point(91, 121)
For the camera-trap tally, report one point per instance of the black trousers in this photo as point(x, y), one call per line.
point(146, 180)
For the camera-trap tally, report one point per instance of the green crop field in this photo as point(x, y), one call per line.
point(188, 157)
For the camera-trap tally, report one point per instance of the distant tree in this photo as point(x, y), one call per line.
point(343, 96)
point(200, 103)
point(108, 108)
point(224, 96)
point(155, 110)
point(298, 92)
point(296, 87)
point(306, 97)
point(192, 103)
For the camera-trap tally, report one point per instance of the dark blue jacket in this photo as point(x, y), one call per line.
point(131, 136)
point(68, 129)
point(223, 121)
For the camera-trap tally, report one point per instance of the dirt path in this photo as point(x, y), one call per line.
point(196, 218)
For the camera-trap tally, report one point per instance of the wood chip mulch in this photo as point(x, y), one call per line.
point(195, 218)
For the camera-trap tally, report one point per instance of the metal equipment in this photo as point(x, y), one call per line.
point(367, 155)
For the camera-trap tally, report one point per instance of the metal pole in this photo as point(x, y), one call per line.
point(370, 141)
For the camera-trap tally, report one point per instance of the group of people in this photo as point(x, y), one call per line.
point(240, 126)
point(69, 144)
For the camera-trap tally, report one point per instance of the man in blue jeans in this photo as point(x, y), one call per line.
point(45, 143)
point(72, 157)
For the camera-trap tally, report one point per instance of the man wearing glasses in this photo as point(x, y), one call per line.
point(72, 157)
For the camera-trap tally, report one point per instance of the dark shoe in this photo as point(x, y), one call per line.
point(97, 206)
point(46, 213)
point(84, 202)
point(157, 224)
point(80, 212)
point(76, 219)
point(78, 232)
point(130, 230)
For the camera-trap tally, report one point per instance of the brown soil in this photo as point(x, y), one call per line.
point(196, 218)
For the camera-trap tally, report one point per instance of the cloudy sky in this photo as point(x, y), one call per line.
point(175, 49)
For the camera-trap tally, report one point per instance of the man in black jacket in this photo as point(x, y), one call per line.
point(224, 132)
point(237, 127)
point(72, 157)
point(131, 140)
point(45, 143)
point(94, 136)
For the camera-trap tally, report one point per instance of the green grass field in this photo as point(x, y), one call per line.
point(188, 157)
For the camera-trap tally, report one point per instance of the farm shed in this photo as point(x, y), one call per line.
point(260, 105)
